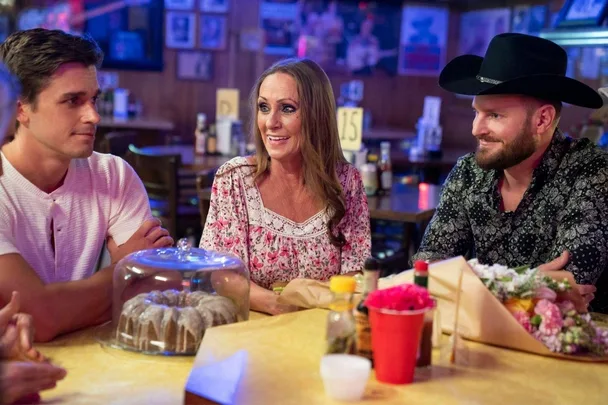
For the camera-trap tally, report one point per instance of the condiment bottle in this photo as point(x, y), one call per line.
point(371, 273)
point(421, 278)
point(341, 332)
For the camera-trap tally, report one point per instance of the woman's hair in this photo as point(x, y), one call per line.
point(320, 140)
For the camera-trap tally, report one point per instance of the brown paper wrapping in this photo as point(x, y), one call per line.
point(483, 318)
point(306, 293)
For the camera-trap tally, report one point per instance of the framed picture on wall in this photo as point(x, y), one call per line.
point(129, 36)
point(213, 32)
point(529, 19)
point(582, 13)
point(180, 30)
point(214, 6)
point(194, 65)
point(179, 4)
point(424, 36)
point(477, 28)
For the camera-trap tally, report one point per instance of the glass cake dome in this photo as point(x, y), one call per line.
point(165, 299)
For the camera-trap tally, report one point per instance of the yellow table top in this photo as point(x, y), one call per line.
point(284, 354)
point(283, 368)
point(102, 375)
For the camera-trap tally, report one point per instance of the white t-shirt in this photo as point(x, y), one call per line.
point(101, 196)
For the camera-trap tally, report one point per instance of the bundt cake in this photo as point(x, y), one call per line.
point(171, 320)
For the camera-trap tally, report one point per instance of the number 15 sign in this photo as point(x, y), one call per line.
point(350, 125)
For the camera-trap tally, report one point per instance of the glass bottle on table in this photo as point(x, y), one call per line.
point(341, 331)
point(385, 169)
point(371, 273)
point(421, 278)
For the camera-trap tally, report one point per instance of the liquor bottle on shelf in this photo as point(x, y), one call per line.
point(201, 134)
point(385, 169)
point(212, 141)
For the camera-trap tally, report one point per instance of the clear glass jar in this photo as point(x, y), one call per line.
point(341, 330)
point(165, 299)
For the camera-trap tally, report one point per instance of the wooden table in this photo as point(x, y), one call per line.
point(405, 203)
point(284, 354)
point(142, 123)
point(446, 161)
point(190, 160)
point(102, 375)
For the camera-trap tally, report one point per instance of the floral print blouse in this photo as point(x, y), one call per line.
point(564, 208)
point(275, 248)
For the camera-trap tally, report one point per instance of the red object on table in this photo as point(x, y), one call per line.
point(395, 342)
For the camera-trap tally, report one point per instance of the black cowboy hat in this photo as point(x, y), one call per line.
point(518, 64)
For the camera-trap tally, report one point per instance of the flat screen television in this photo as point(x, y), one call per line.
point(131, 37)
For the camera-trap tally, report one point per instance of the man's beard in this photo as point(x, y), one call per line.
point(511, 154)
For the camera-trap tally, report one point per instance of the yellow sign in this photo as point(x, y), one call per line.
point(227, 106)
point(350, 126)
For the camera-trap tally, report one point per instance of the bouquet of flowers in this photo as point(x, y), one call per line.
point(535, 302)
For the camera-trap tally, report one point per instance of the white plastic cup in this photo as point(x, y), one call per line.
point(345, 376)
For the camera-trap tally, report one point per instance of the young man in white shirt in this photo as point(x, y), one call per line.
point(59, 200)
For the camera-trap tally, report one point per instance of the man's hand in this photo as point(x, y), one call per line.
point(149, 236)
point(17, 333)
point(580, 294)
point(19, 379)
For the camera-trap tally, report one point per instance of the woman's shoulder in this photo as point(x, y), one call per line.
point(348, 174)
point(240, 164)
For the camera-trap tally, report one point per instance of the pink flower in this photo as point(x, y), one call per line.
point(229, 242)
point(404, 297)
point(272, 257)
point(566, 307)
point(523, 319)
point(220, 224)
point(551, 323)
point(269, 237)
point(545, 293)
point(257, 263)
point(284, 251)
point(333, 259)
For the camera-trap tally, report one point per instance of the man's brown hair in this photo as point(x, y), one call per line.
point(34, 55)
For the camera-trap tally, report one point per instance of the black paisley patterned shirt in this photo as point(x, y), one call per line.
point(564, 208)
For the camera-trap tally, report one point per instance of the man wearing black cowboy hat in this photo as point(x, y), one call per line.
point(528, 195)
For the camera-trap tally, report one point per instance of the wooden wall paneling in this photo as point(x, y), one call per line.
point(394, 101)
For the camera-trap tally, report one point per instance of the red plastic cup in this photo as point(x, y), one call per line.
point(395, 342)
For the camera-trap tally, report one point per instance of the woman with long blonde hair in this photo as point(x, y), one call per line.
point(296, 209)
